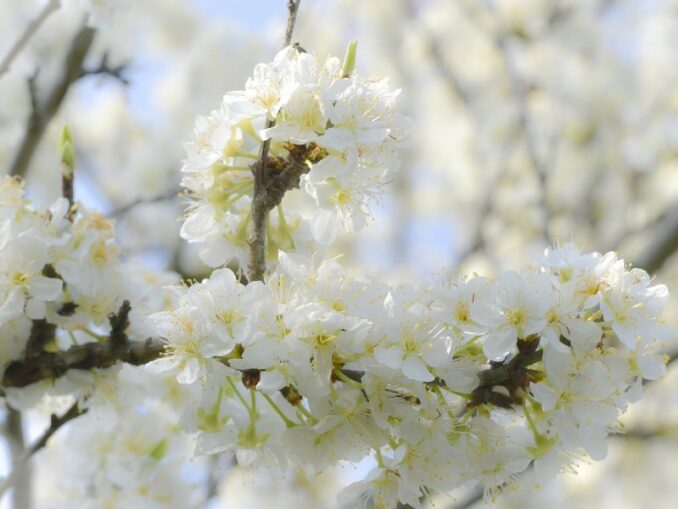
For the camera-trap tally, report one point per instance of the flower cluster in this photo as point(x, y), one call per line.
point(472, 381)
point(66, 272)
point(332, 132)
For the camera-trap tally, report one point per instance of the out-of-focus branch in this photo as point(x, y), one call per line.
point(519, 91)
point(459, 90)
point(121, 211)
point(21, 496)
point(19, 468)
point(42, 113)
point(30, 30)
point(104, 68)
point(260, 199)
point(662, 244)
point(435, 51)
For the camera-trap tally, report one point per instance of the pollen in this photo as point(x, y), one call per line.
point(20, 279)
point(516, 317)
point(341, 197)
point(463, 315)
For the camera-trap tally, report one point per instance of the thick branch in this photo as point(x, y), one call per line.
point(257, 226)
point(51, 365)
point(42, 114)
point(30, 30)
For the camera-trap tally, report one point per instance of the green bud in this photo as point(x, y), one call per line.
point(68, 157)
point(349, 59)
point(66, 136)
point(66, 151)
point(159, 450)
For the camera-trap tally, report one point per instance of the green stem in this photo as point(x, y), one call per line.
point(530, 422)
point(285, 226)
point(341, 376)
point(237, 393)
point(98, 337)
point(288, 423)
point(304, 411)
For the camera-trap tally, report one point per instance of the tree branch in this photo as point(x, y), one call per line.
point(663, 243)
point(104, 68)
point(257, 227)
point(21, 495)
point(41, 115)
point(525, 125)
point(28, 33)
point(51, 365)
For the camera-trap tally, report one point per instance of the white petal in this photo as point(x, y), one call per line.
point(271, 381)
point(45, 288)
point(415, 369)
point(190, 371)
point(650, 367)
point(545, 395)
point(390, 357)
point(325, 226)
point(499, 344)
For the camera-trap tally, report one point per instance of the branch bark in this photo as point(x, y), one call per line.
point(260, 201)
point(52, 365)
point(42, 114)
point(28, 33)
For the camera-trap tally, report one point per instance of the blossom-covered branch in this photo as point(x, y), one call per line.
point(263, 201)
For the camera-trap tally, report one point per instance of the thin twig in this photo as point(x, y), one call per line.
point(292, 10)
point(104, 68)
point(519, 91)
point(28, 33)
point(257, 227)
point(121, 211)
point(42, 114)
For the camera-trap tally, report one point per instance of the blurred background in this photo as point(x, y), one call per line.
point(534, 122)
